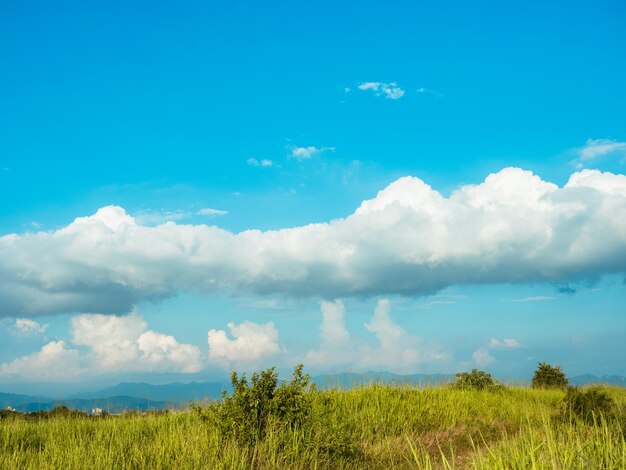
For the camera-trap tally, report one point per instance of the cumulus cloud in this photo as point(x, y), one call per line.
point(54, 362)
point(483, 357)
point(394, 349)
point(595, 148)
point(27, 326)
point(105, 344)
point(388, 90)
point(252, 343)
point(262, 163)
point(408, 240)
point(336, 344)
point(124, 344)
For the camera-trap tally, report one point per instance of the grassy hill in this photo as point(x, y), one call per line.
point(376, 426)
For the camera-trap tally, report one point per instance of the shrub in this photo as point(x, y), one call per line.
point(590, 404)
point(8, 414)
point(247, 412)
point(547, 376)
point(475, 380)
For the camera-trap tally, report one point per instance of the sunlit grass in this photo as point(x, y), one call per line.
point(368, 427)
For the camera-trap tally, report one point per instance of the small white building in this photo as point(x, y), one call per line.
point(96, 411)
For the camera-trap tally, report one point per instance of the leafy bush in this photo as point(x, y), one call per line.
point(476, 380)
point(8, 414)
point(547, 376)
point(246, 414)
point(590, 404)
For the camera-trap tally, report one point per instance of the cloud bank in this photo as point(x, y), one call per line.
point(408, 240)
point(103, 344)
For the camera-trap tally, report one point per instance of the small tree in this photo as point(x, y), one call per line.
point(547, 376)
point(475, 380)
point(246, 414)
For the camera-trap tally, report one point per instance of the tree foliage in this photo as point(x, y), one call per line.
point(548, 376)
point(475, 380)
point(247, 412)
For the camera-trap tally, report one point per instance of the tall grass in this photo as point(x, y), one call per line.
point(369, 427)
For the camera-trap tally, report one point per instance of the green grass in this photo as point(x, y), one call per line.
point(368, 427)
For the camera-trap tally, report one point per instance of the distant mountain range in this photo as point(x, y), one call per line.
point(27, 403)
point(173, 392)
point(142, 396)
point(603, 379)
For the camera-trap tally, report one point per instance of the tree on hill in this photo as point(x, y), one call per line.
point(547, 376)
point(475, 380)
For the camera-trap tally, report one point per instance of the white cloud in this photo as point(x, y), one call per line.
point(482, 356)
point(124, 344)
point(111, 344)
point(595, 148)
point(409, 240)
point(252, 343)
point(395, 349)
point(333, 330)
point(304, 153)
point(336, 345)
point(208, 212)
point(388, 90)
point(54, 362)
point(27, 326)
point(504, 343)
point(262, 163)
point(535, 298)
point(157, 218)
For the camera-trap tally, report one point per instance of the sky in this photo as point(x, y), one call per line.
point(190, 188)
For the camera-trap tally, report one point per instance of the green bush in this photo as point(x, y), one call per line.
point(547, 376)
point(476, 380)
point(590, 404)
point(247, 412)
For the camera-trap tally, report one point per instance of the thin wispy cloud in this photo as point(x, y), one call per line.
point(149, 217)
point(504, 343)
point(304, 153)
point(535, 298)
point(209, 212)
point(429, 91)
point(388, 90)
point(260, 163)
point(596, 148)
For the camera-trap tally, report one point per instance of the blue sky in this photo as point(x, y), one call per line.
point(281, 115)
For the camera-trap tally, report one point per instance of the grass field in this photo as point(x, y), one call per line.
point(369, 427)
